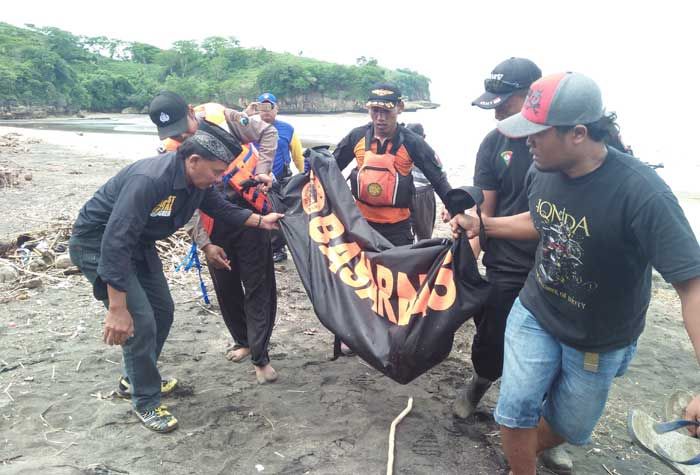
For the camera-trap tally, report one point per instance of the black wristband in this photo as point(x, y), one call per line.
point(259, 220)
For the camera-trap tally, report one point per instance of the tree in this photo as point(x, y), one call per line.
point(189, 56)
point(142, 53)
point(364, 61)
point(52, 67)
point(215, 45)
point(66, 45)
point(288, 79)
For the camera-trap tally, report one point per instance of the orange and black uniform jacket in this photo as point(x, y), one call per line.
point(414, 150)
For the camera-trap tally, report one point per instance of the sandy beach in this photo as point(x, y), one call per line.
point(59, 415)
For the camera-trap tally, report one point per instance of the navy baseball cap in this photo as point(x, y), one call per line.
point(509, 76)
point(169, 112)
point(267, 97)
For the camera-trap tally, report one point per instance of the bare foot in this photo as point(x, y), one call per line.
point(238, 354)
point(265, 374)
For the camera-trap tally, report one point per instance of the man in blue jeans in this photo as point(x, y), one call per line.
point(603, 219)
point(113, 244)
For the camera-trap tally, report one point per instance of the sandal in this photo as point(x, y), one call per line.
point(678, 451)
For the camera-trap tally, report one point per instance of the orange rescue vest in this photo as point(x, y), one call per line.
point(241, 171)
point(382, 183)
point(240, 175)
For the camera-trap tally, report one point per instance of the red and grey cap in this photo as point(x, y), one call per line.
point(559, 99)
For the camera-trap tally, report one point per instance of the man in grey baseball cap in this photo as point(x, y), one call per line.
point(603, 219)
point(562, 99)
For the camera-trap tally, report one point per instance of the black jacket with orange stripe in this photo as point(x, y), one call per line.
point(414, 150)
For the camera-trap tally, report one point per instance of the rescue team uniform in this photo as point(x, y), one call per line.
point(382, 183)
point(113, 242)
point(247, 294)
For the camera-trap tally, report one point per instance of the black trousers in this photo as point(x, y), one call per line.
point(399, 234)
point(278, 240)
point(487, 345)
point(247, 293)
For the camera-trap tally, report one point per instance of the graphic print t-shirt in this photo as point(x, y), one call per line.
point(599, 236)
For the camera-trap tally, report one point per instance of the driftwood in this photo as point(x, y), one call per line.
point(34, 255)
point(392, 436)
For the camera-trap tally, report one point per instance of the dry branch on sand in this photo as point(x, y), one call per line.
point(40, 256)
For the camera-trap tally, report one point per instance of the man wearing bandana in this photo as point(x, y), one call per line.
point(240, 260)
point(113, 244)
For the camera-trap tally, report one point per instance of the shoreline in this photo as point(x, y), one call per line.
point(143, 144)
point(410, 106)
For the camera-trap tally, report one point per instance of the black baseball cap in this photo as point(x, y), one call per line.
point(384, 94)
point(169, 112)
point(509, 76)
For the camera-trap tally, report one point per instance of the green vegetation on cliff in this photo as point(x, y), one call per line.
point(49, 67)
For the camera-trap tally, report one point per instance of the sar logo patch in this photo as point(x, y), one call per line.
point(163, 209)
point(164, 117)
point(506, 155)
point(374, 189)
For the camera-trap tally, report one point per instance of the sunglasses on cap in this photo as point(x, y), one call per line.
point(499, 86)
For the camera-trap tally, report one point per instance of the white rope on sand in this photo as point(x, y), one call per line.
point(392, 436)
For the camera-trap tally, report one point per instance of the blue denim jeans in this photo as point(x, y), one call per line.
point(543, 377)
point(151, 306)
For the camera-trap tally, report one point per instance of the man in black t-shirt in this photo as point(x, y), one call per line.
point(603, 219)
point(500, 169)
point(501, 165)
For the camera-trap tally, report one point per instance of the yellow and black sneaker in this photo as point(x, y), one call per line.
point(158, 419)
point(124, 387)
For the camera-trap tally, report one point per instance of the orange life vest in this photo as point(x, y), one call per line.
point(382, 183)
point(240, 173)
